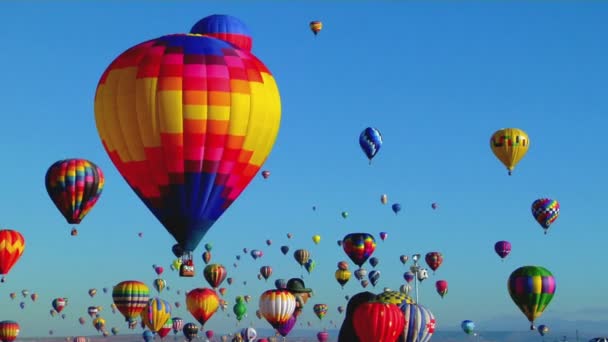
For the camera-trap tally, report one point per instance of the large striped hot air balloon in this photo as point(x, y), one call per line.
point(130, 297)
point(9, 330)
point(420, 323)
point(202, 304)
point(277, 306)
point(74, 185)
point(12, 245)
point(156, 313)
point(188, 120)
point(532, 289)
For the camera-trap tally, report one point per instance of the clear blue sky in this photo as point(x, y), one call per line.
point(437, 78)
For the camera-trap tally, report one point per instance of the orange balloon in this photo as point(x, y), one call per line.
point(202, 304)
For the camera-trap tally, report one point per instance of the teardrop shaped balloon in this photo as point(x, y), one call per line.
point(202, 303)
point(359, 247)
point(215, 274)
point(509, 145)
point(531, 288)
point(188, 120)
point(502, 248)
point(370, 141)
point(74, 186)
point(545, 212)
point(315, 26)
point(12, 245)
point(130, 297)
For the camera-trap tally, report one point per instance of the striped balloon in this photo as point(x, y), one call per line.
point(532, 289)
point(74, 185)
point(156, 314)
point(9, 330)
point(370, 141)
point(215, 274)
point(359, 247)
point(419, 323)
point(178, 324)
point(130, 297)
point(277, 306)
point(188, 120)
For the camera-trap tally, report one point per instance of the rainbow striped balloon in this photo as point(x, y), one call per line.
point(74, 185)
point(131, 297)
point(188, 120)
point(359, 247)
point(532, 289)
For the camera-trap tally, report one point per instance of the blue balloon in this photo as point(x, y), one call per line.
point(396, 208)
point(468, 326)
point(370, 141)
point(148, 335)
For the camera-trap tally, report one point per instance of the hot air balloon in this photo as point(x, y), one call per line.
point(12, 245)
point(468, 326)
point(159, 270)
point(156, 313)
point(316, 239)
point(99, 323)
point(114, 331)
point(320, 310)
point(239, 309)
point(421, 322)
point(34, 297)
point(130, 297)
point(404, 259)
point(178, 324)
point(268, 242)
point(543, 329)
point(92, 311)
point(384, 199)
point(342, 276)
point(202, 304)
point(277, 306)
point(284, 250)
point(206, 257)
point(256, 253)
point(374, 277)
point(396, 208)
point(280, 284)
point(509, 145)
point(249, 334)
point(265, 174)
point(227, 28)
point(315, 26)
point(9, 330)
point(301, 256)
point(322, 336)
point(92, 292)
point(370, 141)
point(159, 284)
point(199, 134)
point(215, 274)
point(545, 212)
point(531, 288)
point(58, 304)
point(74, 185)
point(359, 247)
point(266, 272)
point(502, 248)
point(442, 287)
point(383, 235)
point(434, 206)
point(376, 321)
point(344, 214)
point(434, 260)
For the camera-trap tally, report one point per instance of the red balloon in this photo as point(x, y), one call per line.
point(375, 321)
point(159, 270)
point(442, 287)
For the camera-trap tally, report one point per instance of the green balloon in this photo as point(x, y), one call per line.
point(239, 309)
point(531, 288)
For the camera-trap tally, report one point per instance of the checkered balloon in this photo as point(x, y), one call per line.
point(545, 211)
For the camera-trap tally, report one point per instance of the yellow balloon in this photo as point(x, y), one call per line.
point(510, 146)
point(316, 239)
point(156, 314)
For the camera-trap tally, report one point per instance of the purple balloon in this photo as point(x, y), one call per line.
point(285, 328)
point(502, 248)
point(408, 276)
point(323, 336)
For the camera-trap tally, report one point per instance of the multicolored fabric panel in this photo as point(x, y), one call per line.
point(532, 289)
point(74, 185)
point(419, 323)
point(188, 120)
